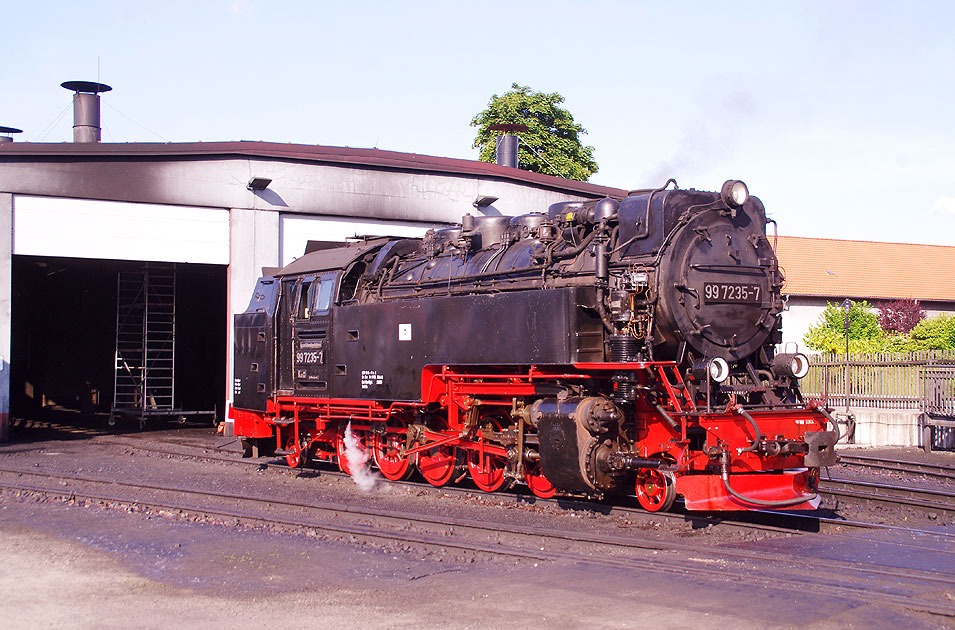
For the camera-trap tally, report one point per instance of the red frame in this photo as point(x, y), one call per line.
point(457, 389)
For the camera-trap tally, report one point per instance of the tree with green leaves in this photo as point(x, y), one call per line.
point(829, 333)
point(551, 144)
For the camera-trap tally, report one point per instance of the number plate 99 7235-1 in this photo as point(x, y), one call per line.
point(731, 293)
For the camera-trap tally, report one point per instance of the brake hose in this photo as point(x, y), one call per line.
point(725, 466)
point(757, 438)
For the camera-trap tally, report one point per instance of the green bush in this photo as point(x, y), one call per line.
point(934, 333)
point(828, 334)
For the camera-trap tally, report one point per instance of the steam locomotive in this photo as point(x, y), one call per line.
point(612, 346)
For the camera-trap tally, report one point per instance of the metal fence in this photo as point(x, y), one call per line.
point(896, 380)
point(938, 389)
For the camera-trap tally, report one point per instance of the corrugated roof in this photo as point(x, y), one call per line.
point(302, 152)
point(867, 269)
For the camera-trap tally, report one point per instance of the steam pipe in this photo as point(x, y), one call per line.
point(629, 461)
point(600, 264)
point(602, 310)
point(669, 420)
point(570, 253)
point(560, 256)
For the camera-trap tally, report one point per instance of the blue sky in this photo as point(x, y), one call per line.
point(839, 115)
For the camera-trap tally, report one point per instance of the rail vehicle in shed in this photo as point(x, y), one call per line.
point(614, 346)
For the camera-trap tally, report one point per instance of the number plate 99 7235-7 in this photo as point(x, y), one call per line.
point(731, 293)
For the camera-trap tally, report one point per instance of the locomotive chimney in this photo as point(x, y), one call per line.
point(507, 144)
point(86, 120)
point(5, 130)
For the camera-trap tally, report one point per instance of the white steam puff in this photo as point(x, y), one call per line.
point(357, 456)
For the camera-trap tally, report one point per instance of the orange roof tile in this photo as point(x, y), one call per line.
point(866, 269)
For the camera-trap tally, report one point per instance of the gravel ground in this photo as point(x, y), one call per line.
point(79, 565)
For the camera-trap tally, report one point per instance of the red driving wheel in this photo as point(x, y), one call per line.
point(487, 471)
point(537, 482)
point(296, 458)
point(656, 491)
point(436, 465)
point(387, 453)
point(342, 453)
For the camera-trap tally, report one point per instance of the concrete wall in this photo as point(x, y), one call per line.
point(802, 313)
point(301, 187)
point(884, 427)
point(6, 277)
point(254, 243)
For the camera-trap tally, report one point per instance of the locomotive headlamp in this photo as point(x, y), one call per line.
point(717, 369)
point(795, 365)
point(734, 193)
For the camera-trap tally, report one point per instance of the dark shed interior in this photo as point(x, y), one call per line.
point(64, 336)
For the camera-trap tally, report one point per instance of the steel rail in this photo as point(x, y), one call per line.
point(377, 513)
point(578, 537)
point(336, 528)
point(749, 520)
point(922, 498)
point(932, 470)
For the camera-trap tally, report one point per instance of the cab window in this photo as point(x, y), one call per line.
point(304, 297)
point(324, 294)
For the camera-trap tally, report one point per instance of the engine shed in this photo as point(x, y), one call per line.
point(93, 235)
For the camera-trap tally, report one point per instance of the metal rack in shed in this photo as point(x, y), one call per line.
point(144, 381)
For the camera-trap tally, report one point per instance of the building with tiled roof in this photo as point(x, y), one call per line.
point(820, 270)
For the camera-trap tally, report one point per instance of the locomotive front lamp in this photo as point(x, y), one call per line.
point(734, 193)
point(795, 365)
point(716, 369)
point(719, 369)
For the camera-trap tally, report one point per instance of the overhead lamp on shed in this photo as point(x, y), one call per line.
point(258, 184)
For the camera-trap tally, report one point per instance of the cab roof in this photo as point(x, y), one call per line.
point(335, 258)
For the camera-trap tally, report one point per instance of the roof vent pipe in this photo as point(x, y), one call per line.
point(86, 126)
point(507, 144)
point(5, 130)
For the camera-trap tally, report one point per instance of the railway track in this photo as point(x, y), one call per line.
point(854, 580)
point(770, 521)
point(909, 467)
point(926, 501)
point(932, 501)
